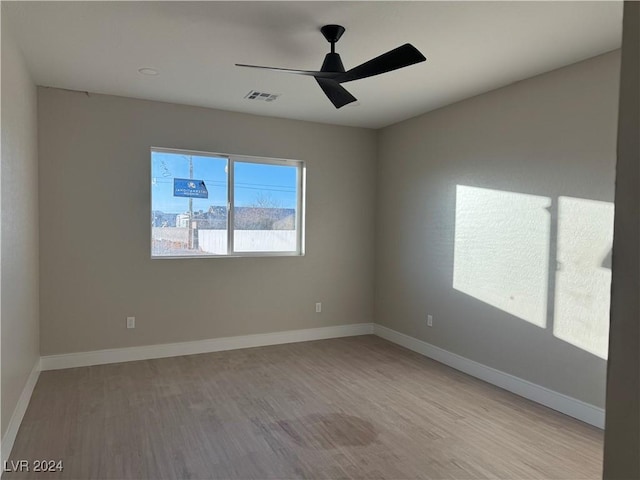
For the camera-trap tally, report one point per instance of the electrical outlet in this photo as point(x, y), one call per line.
point(429, 320)
point(131, 322)
point(318, 307)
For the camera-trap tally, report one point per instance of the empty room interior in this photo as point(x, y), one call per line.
point(274, 240)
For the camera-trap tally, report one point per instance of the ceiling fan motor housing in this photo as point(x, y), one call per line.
point(332, 63)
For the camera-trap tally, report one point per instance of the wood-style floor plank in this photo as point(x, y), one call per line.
point(357, 407)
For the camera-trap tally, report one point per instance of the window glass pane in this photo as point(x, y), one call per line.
point(188, 204)
point(265, 207)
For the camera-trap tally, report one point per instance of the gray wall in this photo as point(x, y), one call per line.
point(94, 227)
point(622, 433)
point(19, 251)
point(549, 136)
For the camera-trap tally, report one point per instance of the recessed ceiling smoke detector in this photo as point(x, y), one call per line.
point(256, 95)
point(148, 71)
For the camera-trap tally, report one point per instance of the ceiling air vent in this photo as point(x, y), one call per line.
point(267, 97)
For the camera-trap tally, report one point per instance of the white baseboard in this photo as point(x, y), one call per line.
point(100, 357)
point(18, 413)
point(557, 401)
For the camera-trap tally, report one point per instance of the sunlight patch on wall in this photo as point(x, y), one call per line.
point(583, 278)
point(501, 252)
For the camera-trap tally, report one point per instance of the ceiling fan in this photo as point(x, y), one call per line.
point(332, 72)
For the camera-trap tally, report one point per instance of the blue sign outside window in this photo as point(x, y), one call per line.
point(189, 187)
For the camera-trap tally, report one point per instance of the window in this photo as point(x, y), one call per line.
point(208, 205)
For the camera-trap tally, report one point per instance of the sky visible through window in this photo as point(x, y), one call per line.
point(254, 183)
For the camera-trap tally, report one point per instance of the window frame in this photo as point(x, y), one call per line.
point(301, 174)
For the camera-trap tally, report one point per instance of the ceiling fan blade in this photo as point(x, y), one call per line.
point(336, 92)
point(297, 72)
point(402, 56)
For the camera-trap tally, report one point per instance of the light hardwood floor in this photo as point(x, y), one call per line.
point(357, 407)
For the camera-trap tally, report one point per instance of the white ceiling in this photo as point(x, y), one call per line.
point(471, 47)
